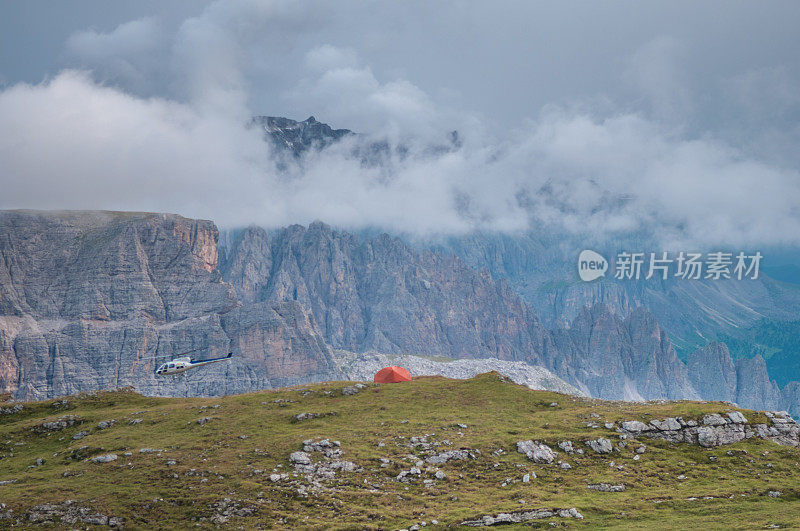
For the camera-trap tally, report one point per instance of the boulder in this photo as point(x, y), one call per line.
point(536, 452)
point(601, 446)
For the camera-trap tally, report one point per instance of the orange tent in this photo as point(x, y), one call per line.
point(392, 374)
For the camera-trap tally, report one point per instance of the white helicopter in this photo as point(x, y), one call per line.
point(184, 363)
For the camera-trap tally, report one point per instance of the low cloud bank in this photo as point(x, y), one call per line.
point(99, 137)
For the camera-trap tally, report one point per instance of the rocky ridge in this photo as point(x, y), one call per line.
point(364, 366)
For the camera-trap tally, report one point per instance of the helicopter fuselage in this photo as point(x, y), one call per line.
point(180, 365)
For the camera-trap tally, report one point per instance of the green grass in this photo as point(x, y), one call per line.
point(143, 488)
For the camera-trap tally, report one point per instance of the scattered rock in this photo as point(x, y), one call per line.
point(305, 416)
point(325, 446)
point(204, 420)
point(606, 487)
point(226, 508)
point(134, 422)
point(407, 475)
point(105, 424)
point(635, 426)
point(566, 446)
point(80, 435)
point(774, 494)
point(16, 408)
point(601, 446)
point(452, 455)
point(517, 517)
point(105, 458)
point(70, 513)
point(325, 469)
point(300, 458)
point(57, 425)
point(536, 452)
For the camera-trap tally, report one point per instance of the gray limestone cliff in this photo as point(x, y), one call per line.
point(380, 294)
point(94, 300)
point(745, 382)
point(621, 359)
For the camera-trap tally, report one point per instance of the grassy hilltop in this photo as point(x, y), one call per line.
point(208, 462)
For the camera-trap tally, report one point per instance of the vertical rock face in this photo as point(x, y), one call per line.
point(713, 373)
point(754, 389)
point(380, 294)
point(109, 266)
point(790, 398)
point(92, 300)
point(746, 382)
point(620, 359)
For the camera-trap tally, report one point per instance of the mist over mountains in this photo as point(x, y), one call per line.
point(646, 130)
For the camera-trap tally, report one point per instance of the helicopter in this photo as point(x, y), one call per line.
point(184, 363)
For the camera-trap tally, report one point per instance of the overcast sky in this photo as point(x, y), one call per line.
point(683, 116)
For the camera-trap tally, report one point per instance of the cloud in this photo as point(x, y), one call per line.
point(156, 121)
point(128, 55)
point(656, 70)
point(72, 143)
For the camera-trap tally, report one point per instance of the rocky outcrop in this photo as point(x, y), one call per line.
point(69, 513)
point(517, 517)
point(96, 300)
point(717, 429)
